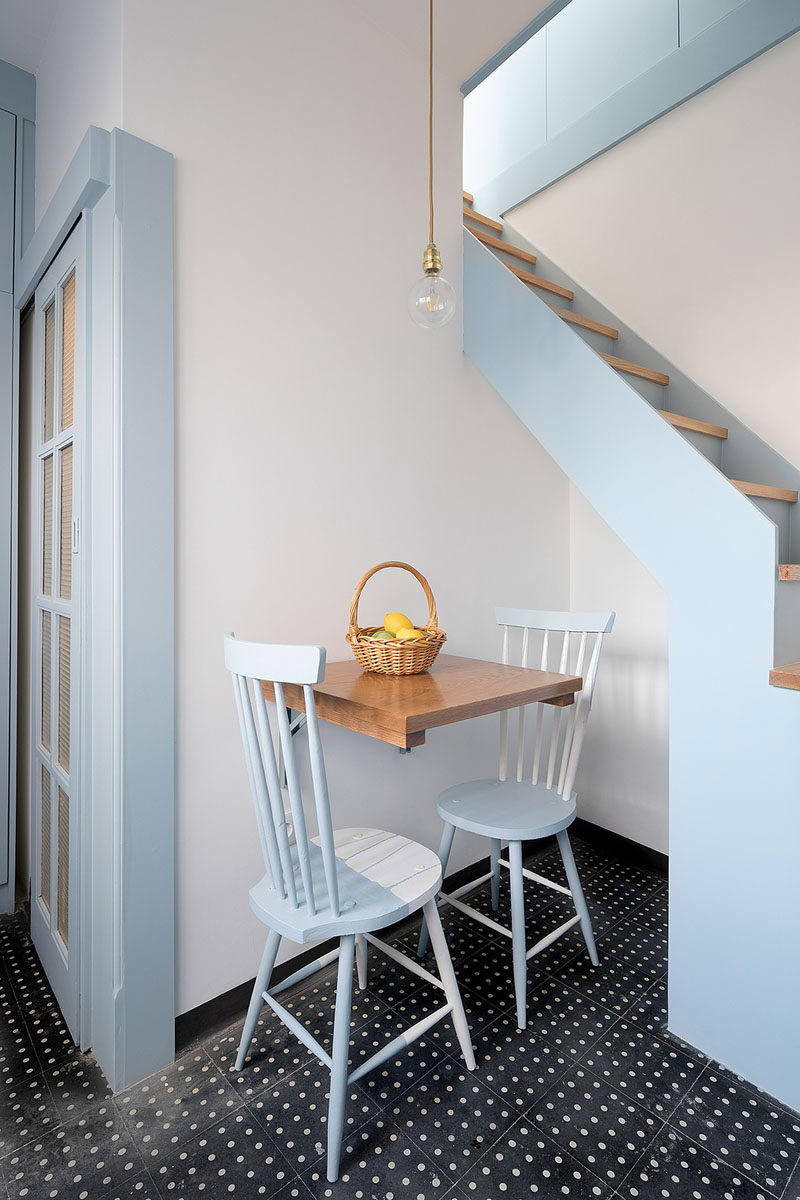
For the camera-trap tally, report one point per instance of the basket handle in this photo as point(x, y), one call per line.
point(432, 625)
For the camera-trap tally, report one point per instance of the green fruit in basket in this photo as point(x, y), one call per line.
point(383, 635)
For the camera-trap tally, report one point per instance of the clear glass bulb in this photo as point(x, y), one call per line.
point(432, 301)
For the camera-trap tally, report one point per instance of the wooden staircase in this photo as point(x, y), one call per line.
point(478, 224)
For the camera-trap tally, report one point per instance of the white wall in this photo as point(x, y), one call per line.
point(623, 781)
point(688, 231)
point(318, 431)
point(78, 83)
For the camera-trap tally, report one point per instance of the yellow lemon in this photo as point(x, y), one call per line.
point(395, 621)
point(408, 635)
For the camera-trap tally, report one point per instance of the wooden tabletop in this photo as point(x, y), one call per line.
point(399, 709)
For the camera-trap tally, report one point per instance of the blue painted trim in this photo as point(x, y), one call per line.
point(17, 91)
point(727, 45)
point(86, 178)
point(511, 47)
point(144, 213)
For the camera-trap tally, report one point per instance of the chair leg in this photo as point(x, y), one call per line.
point(362, 960)
point(445, 846)
point(518, 932)
point(340, 1055)
point(448, 978)
point(495, 857)
point(257, 998)
point(573, 879)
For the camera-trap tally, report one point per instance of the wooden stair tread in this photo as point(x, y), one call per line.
point(789, 571)
point(786, 677)
point(764, 492)
point(468, 197)
point(631, 368)
point(536, 281)
point(497, 243)
point(585, 322)
point(482, 220)
point(681, 422)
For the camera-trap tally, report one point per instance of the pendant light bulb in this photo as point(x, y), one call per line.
point(432, 300)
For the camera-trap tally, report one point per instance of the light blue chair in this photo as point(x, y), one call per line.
point(343, 883)
point(539, 801)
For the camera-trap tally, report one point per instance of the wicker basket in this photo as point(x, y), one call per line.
point(391, 657)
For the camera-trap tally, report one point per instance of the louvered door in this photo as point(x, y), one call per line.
point(55, 807)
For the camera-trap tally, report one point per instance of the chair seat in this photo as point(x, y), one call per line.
point(382, 878)
point(506, 809)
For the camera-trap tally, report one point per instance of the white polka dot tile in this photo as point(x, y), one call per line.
point(18, 1059)
point(295, 1113)
point(569, 947)
point(489, 973)
point(792, 1191)
point(517, 1065)
point(611, 897)
point(649, 1011)
point(314, 1004)
point(653, 913)
point(568, 1020)
point(544, 907)
point(90, 1157)
point(78, 1085)
point(652, 1071)
point(380, 1163)
point(452, 1116)
point(527, 1163)
point(673, 1168)
point(235, 1158)
point(387, 1081)
point(421, 1003)
point(602, 1128)
point(27, 1111)
point(741, 1128)
point(464, 936)
point(612, 983)
point(640, 948)
point(170, 1107)
point(274, 1053)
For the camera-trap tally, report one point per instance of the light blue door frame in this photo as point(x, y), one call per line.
point(121, 190)
point(734, 821)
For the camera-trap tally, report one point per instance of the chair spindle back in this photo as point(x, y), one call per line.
point(289, 861)
point(569, 643)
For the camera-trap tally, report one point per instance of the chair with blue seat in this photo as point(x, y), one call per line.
point(344, 884)
point(539, 801)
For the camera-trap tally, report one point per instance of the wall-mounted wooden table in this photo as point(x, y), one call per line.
point(400, 709)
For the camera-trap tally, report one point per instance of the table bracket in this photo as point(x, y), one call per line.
point(296, 723)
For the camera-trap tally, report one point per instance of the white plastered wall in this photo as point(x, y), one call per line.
point(318, 431)
point(78, 83)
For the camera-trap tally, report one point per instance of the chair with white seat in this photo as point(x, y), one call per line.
point(539, 801)
point(344, 883)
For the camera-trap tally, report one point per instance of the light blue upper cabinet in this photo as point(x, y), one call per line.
point(7, 149)
point(505, 117)
point(595, 49)
point(698, 15)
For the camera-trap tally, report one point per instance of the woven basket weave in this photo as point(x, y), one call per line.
point(392, 657)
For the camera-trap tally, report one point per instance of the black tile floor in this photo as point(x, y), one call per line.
point(594, 1099)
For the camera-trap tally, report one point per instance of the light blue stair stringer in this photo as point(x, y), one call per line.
point(734, 974)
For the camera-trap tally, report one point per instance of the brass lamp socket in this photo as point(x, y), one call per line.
point(432, 260)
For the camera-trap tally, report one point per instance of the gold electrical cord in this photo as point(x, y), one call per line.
point(430, 117)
